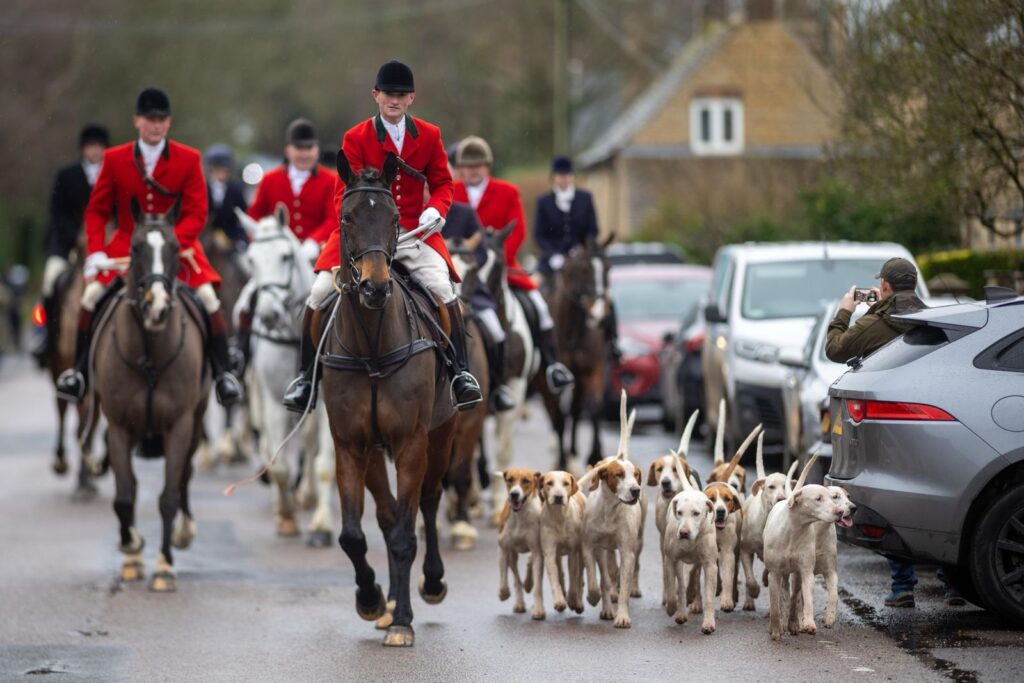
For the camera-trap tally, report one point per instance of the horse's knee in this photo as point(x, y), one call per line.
point(353, 542)
point(403, 544)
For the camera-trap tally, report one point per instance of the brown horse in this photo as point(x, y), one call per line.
point(152, 384)
point(67, 298)
point(579, 303)
point(386, 392)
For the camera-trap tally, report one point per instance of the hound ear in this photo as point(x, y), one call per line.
point(538, 483)
point(390, 169)
point(756, 488)
point(598, 478)
point(344, 170)
point(793, 499)
point(573, 486)
point(711, 506)
point(247, 223)
point(651, 481)
point(281, 214)
point(608, 240)
point(136, 210)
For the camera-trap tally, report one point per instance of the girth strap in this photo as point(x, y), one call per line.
point(367, 363)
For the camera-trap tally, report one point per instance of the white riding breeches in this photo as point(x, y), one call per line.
point(94, 290)
point(422, 262)
point(55, 265)
point(543, 314)
point(488, 319)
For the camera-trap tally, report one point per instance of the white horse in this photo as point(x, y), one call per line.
point(281, 279)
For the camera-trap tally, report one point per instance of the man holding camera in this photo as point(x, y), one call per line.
point(876, 328)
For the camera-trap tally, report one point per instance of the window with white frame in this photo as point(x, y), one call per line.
point(716, 125)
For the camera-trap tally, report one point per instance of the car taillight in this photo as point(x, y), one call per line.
point(871, 531)
point(895, 410)
point(38, 315)
point(695, 343)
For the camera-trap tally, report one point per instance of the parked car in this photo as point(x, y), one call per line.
point(682, 380)
point(928, 439)
point(763, 302)
point(650, 300)
point(632, 253)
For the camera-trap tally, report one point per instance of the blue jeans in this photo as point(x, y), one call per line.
point(904, 578)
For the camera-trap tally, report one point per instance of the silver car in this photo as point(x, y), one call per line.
point(928, 438)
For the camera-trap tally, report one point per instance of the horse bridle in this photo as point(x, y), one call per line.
point(389, 253)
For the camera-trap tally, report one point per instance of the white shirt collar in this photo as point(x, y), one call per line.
point(297, 178)
point(218, 189)
point(396, 131)
point(475, 192)
point(92, 171)
point(151, 154)
point(563, 198)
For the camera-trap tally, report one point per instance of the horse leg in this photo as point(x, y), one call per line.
point(351, 479)
point(177, 460)
point(85, 489)
point(310, 448)
point(554, 409)
point(120, 444)
point(379, 487)
point(460, 478)
point(592, 392)
point(185, 532)
point(323, 471)
point(276, 421)
point(411, 465)
point(432, 586)
point(60, 463)
point(504, 427)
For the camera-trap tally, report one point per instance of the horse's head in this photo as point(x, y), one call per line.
point(369, 229)
point(154, 264)
point(280, 274)
point(585, 278)
point(493, 272)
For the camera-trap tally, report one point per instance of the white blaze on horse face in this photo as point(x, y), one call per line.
point(160, 295)
point(598, 265)
point(487, 267)
point(597, 309)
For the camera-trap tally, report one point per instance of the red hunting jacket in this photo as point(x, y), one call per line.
point(178, 172)
point(312, 214)
point(367, 144)
point(499, 205)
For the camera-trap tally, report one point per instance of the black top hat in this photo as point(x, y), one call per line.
point(300, 132)
point(394, 77)
point(561, 164)
point(153, 102)
point(93, 134)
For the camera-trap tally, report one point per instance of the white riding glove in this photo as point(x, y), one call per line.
point(429, 215)
point(556, 261)
point(311, 250)
point(94, 263)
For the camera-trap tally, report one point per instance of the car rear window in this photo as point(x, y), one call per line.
point(795, 289)
point(917, 343)
point(657, 299)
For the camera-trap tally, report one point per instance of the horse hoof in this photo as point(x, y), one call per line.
point(136, 545)
point(389, 617)
point(399, 636)
point(463, 543)
point(374, 611)
point(93, 466)
point(433, 599)
point(132, 570)
point(319, 539)
point(163, 582)
point(287, 528)
point(85, 493)
point(60, 466)
point(183, 536)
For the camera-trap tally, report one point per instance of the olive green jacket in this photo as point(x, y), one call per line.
point(873, 330)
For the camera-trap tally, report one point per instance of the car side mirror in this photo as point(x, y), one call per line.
point(713, 315)
point(792, 358)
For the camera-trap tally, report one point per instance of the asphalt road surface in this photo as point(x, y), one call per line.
point(252, 606)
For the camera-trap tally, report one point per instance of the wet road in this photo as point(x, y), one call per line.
point(256, 607)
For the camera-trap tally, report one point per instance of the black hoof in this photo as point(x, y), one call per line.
point(60, 466)
point(319, 539)
point(433, 598)
point(373, 608)
point(85, 493)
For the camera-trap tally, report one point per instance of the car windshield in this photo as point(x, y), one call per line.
point(657, 299)
point(796, 289)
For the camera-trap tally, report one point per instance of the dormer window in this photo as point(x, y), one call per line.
point(716, 125)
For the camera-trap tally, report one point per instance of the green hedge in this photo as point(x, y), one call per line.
point(970, 265)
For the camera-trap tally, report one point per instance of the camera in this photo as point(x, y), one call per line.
point(868, 296)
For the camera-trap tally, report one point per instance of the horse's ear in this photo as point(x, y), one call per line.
point(281, 214)
point(136, 210)
point(344, 170)
point(608, 240)
point(172, 214)
point(390, 169)
point(503, 234)
point(247, 223)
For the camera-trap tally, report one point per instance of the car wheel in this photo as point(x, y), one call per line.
point(997, 555)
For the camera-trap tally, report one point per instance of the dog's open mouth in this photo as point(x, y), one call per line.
point(720, 523)
point(846, 521)
point(517, 505)
point(667, 495)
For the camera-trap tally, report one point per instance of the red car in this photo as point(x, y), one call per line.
point(650, 301)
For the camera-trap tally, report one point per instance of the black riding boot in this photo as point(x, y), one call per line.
point(43, 350)
point(558, 376)
point(226, 385)
point(243, 339)
point(465, 389)
point(501, 395)
point(73, 382)
point(301, 393)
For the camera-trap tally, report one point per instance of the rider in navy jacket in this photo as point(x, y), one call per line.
point(565, 216)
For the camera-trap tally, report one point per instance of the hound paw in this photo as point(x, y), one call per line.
point(607, 615)
point(810, 629)
point(504, 593)
point(622, 621)
point(749, 606)
point(728, 605)
point(593, 597)
point(560, 605)
point(519, 608)
point(538, 614)
point(707, 629)
point(681, 617)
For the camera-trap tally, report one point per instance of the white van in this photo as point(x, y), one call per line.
point(763, 302)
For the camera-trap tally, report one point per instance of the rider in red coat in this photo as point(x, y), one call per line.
point(157, 172)
point(422, 160)
point(497, 204)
